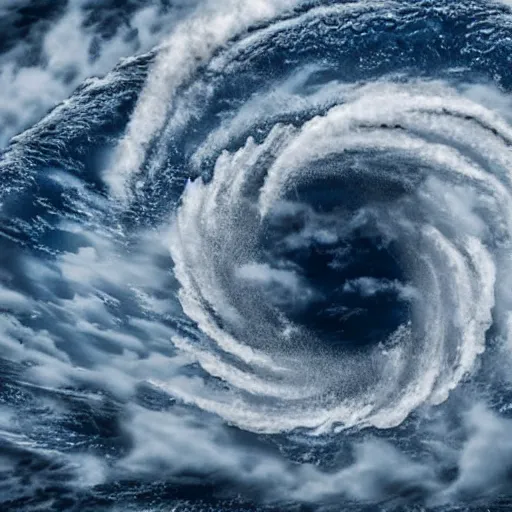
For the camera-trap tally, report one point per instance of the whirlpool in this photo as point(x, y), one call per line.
point(256, 255)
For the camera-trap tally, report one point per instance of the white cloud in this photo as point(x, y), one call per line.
point(371, 286)
point(264, 274)
point(29, 91)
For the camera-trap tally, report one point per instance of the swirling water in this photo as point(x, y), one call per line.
point(262, 262)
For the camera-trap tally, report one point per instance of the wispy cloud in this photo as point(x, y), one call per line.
point(78, 41)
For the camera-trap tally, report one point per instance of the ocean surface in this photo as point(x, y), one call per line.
point(255, 255)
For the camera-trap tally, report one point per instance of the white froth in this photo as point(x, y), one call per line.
point(274, 380)
point(192, 43)
point(453, 284)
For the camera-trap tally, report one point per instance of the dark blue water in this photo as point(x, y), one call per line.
point(255, 256)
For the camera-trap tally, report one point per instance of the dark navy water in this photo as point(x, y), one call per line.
point(255, 255)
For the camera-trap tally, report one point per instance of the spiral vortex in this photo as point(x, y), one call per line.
point(292, 221)
point(341, 251)
point(435, 211)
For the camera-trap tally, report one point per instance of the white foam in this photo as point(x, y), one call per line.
point(193, 43)
point(452, 289)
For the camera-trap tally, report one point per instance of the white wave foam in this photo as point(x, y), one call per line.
point(452, 270)
point(193, 43)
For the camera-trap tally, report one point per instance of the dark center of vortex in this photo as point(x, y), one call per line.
point(353, 291)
